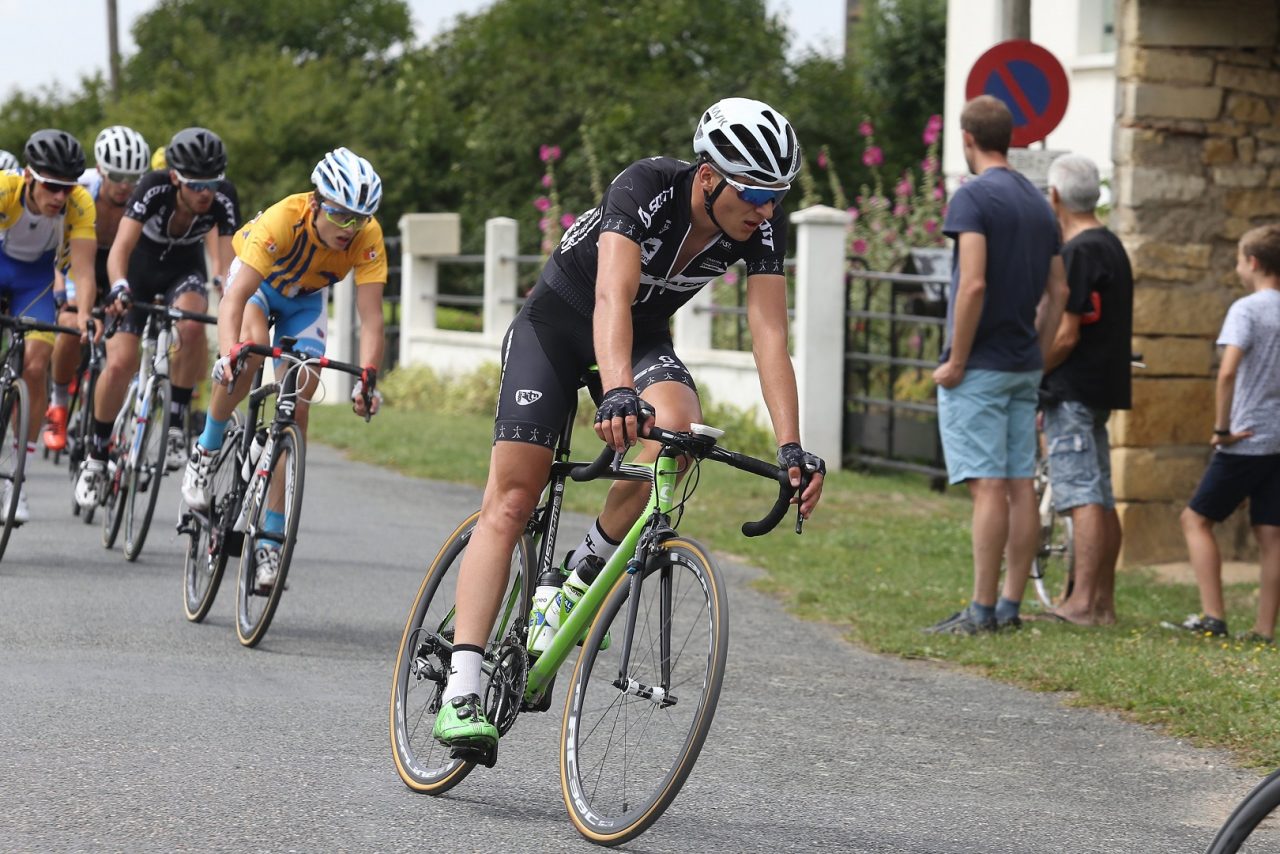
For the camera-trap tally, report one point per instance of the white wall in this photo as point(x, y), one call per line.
point(1071, 30)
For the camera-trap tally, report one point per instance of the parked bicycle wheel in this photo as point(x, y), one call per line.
point(1257, 805)
point(117, 479)
point(626, 751)
point(1053, 569)
point(206, 556)
point(15, 420)
point(422, 665)
point(144, 478)
point(256, 605)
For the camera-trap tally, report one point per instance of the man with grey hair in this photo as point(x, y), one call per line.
point(1086, 377)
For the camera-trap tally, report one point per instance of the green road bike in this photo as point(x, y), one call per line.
point(654, 635)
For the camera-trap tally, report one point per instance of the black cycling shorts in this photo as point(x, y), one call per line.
point(545, 353)
point(169, 274)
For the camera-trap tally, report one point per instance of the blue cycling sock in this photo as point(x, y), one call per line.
point(273, 522)
point(1007, 609)
point(214, 430)
point(982, 613)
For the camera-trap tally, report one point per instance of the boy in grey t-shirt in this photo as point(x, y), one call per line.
point(1246, 441)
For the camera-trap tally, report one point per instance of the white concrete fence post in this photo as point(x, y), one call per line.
point(343, 331)
point(424, 237)
point(691, 326)
point(500, 249)
point(819, 328)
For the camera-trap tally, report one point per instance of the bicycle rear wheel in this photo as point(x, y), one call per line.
point(626, 749)
point(206, 556)
point(422, 665)
point(15, 420)
point(144, 479)
point(255, 607)
point(1246, 817)
point(1053, 569)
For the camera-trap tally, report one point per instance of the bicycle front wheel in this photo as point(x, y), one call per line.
point(15, 420)
point(280, 478)
point(627, 746)
point(422, 665)
point(144, 478)
point(80, 433)
point(117, 487)
point(206, 555)
point(1246, 817)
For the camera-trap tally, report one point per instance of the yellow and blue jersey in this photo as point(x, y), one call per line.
point(43, 233)
point(281, 243)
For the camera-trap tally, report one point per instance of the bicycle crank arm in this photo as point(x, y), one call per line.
point(660, 696)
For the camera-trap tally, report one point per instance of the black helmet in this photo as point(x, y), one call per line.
point(197, 153)
point(54, 154)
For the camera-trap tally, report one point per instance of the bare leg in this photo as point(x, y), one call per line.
point(1202, 548)
point(35, 371)
point(1089, 526)
point(990, 535)
point(1104, 603)
point(66, 350)
point(1269, 579)
point(189, 362)
point(122, 364)
point(1024, 536)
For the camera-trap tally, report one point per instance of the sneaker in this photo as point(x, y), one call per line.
point(195, 481)
point(266, 562)
point(1201, 624)
point(21, 513)
point(54, 434)
point(962, 623)
point(461, 724)
point(175, 452)
point(90, 484)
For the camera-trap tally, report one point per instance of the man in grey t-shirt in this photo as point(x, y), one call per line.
point(1246, 441)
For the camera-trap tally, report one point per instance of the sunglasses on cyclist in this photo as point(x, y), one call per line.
point(121, 177)
point(342, 217)
point(757, 196)
point(54, 185)
point(199, 185)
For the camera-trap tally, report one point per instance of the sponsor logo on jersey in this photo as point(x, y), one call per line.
point(648, 249)
point(714, 267)
point(271, 245)
point(655, 203)
point(139, 208)
point(371, 254)
point(526, 396)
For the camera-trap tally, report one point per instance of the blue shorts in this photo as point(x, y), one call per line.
point(1079, 455)
point(29, 287)
point(988, 425)
point(1231, 478)
point(304, 317)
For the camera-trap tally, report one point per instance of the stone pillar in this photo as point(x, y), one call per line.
point(500, 283)
point(819, 328)
point(1197, 163)
point(423, 238)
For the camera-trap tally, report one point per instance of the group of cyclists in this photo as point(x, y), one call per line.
point(664, 229)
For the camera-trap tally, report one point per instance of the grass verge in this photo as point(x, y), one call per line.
point(884, 556)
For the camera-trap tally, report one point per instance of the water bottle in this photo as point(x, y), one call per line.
point(573, 588)
point(545, 595)
point(255, 451)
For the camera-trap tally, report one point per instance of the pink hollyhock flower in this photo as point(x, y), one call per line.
point(853, 214)
point(900, 210)
point(549, 153)
point(730, 278)
point(903, 188)
point(859, 246)
point(938, 193)
point(929, 165)
point(567, 220)
point(547, 180)
point(822, 160)
point(544, 224)
point(930, 225)
point(866, 129)
point(542, 203)
point(873, 156)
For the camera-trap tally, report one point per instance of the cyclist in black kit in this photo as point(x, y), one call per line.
point(664, 229)
point(159, 250)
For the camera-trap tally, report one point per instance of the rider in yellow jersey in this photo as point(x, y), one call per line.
point(286, 257)
point(46, 222)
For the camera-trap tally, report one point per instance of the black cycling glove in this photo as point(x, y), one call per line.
point(619, 403)
point(791, 455)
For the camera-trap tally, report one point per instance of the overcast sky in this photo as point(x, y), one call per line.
point(56, 41)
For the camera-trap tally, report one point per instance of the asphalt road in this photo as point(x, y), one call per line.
point(125, 728)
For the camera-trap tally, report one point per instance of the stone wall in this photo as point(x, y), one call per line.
point(1197, 163)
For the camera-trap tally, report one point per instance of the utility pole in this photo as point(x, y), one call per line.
point(113, 48)
point(1016, 19)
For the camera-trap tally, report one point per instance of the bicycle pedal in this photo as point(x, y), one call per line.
point(481, 755)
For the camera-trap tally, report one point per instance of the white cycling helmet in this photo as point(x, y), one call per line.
point(9, 163)
point(749, 140)
point(122, 149)
point(345, 178)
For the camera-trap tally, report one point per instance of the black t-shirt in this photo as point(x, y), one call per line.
point(153, 203)
point(649, 203)
point(1097, 371)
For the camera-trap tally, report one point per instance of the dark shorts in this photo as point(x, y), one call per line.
point(153, 274)
point(1231, 478)
point(547, 350)
point(1079, 455)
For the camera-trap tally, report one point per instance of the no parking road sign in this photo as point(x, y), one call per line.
point(1029, 79)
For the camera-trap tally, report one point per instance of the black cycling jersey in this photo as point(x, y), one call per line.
point(156, 197)
point(649, 203)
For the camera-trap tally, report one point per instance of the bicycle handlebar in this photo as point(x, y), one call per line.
point(704, 447)
point(175, 313)
point(30, 324)
point(247, 350)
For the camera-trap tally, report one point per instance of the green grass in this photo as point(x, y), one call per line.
point(884, 556)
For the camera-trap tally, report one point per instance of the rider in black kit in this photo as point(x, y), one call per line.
point(664, 229)
point(159, 251)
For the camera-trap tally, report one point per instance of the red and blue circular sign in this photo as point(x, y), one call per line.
point(1029, 79)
